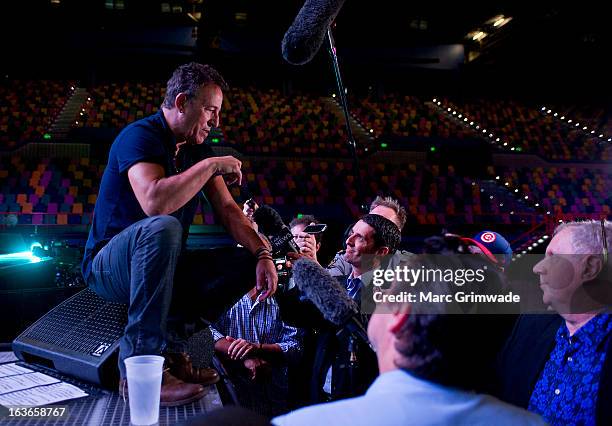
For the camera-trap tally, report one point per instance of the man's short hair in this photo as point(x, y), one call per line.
point(306, 220)
point(393, 204)
point(437, 345)
point(586, 236)
point(188, 79)
point(386, 233)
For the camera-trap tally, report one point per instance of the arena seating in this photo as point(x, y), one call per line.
point(531, 130)
point(64, 191)
point(397, 115)
point(255, 121)
point(51, 191)
point(114, 105)
point(301, 128)
point(563, 189)
point(28, 108)
point(264, 122)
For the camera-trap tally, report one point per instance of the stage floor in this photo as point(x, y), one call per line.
point(103, 407)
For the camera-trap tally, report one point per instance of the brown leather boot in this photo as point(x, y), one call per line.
point(180, 365)
point(174, 392)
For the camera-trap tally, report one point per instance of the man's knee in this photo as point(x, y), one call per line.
point(167, 230)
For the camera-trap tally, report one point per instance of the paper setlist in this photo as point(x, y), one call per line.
point(21, 386)
point(42, 395)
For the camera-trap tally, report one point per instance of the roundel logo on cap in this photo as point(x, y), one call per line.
point(488, 237)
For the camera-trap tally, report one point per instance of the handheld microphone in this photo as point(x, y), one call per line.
point(329, 297)
point(270, 223)
point(305, 36)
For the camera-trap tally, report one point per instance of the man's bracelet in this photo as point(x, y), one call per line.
point(268, 257)
point(262, 250)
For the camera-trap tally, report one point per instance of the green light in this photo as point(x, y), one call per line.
point(24, 255)
point(300, 215)
point(383, 145)
point(46, 136)
point(215, 140)
point(432, 149)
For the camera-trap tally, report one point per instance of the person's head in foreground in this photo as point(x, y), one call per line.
point(427, 362)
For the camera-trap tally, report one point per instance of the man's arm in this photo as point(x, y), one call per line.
point(291, 341)
point(158, 194)
point(242, 349)
point(239, 227)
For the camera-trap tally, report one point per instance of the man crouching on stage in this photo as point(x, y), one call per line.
point(135, 253)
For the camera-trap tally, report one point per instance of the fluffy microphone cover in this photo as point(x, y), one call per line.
point(323, 291)
point(268, 220)
point(305, 36)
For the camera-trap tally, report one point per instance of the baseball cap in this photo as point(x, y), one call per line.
point(496, 244)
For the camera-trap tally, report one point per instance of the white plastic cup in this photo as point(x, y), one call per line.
point(144, 377)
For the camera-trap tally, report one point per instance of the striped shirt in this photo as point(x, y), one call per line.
point(258, 322)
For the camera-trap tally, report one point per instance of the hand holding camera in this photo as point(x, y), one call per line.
point(306, 240)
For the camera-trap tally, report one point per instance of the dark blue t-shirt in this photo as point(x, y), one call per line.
point(148, 140)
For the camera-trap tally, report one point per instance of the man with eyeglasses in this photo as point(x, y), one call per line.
point(559, 365)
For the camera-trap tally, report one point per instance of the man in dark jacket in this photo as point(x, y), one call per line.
point(558, 365)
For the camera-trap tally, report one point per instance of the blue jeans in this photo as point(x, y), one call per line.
point(166, 291)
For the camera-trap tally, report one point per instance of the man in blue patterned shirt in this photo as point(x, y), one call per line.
point(258, 347)
point(558, 365)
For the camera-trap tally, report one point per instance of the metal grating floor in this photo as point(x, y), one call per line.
point(104, 408)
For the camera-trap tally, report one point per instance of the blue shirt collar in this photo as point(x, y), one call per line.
point(400, 381)
point(591, 335)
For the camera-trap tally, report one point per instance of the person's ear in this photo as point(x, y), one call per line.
point(593, 266)
point(400, 316)
point(318, 246)
point(383, 251)
point(180, 101)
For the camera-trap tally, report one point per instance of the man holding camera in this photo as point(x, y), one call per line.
point(307, 233)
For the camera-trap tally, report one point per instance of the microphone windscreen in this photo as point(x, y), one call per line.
point(305, 36)
point(268, 220)
point(324, 291)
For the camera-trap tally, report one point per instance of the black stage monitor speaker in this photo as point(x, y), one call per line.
point(79, 337)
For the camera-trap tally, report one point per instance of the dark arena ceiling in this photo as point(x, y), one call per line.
point(560, 44)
